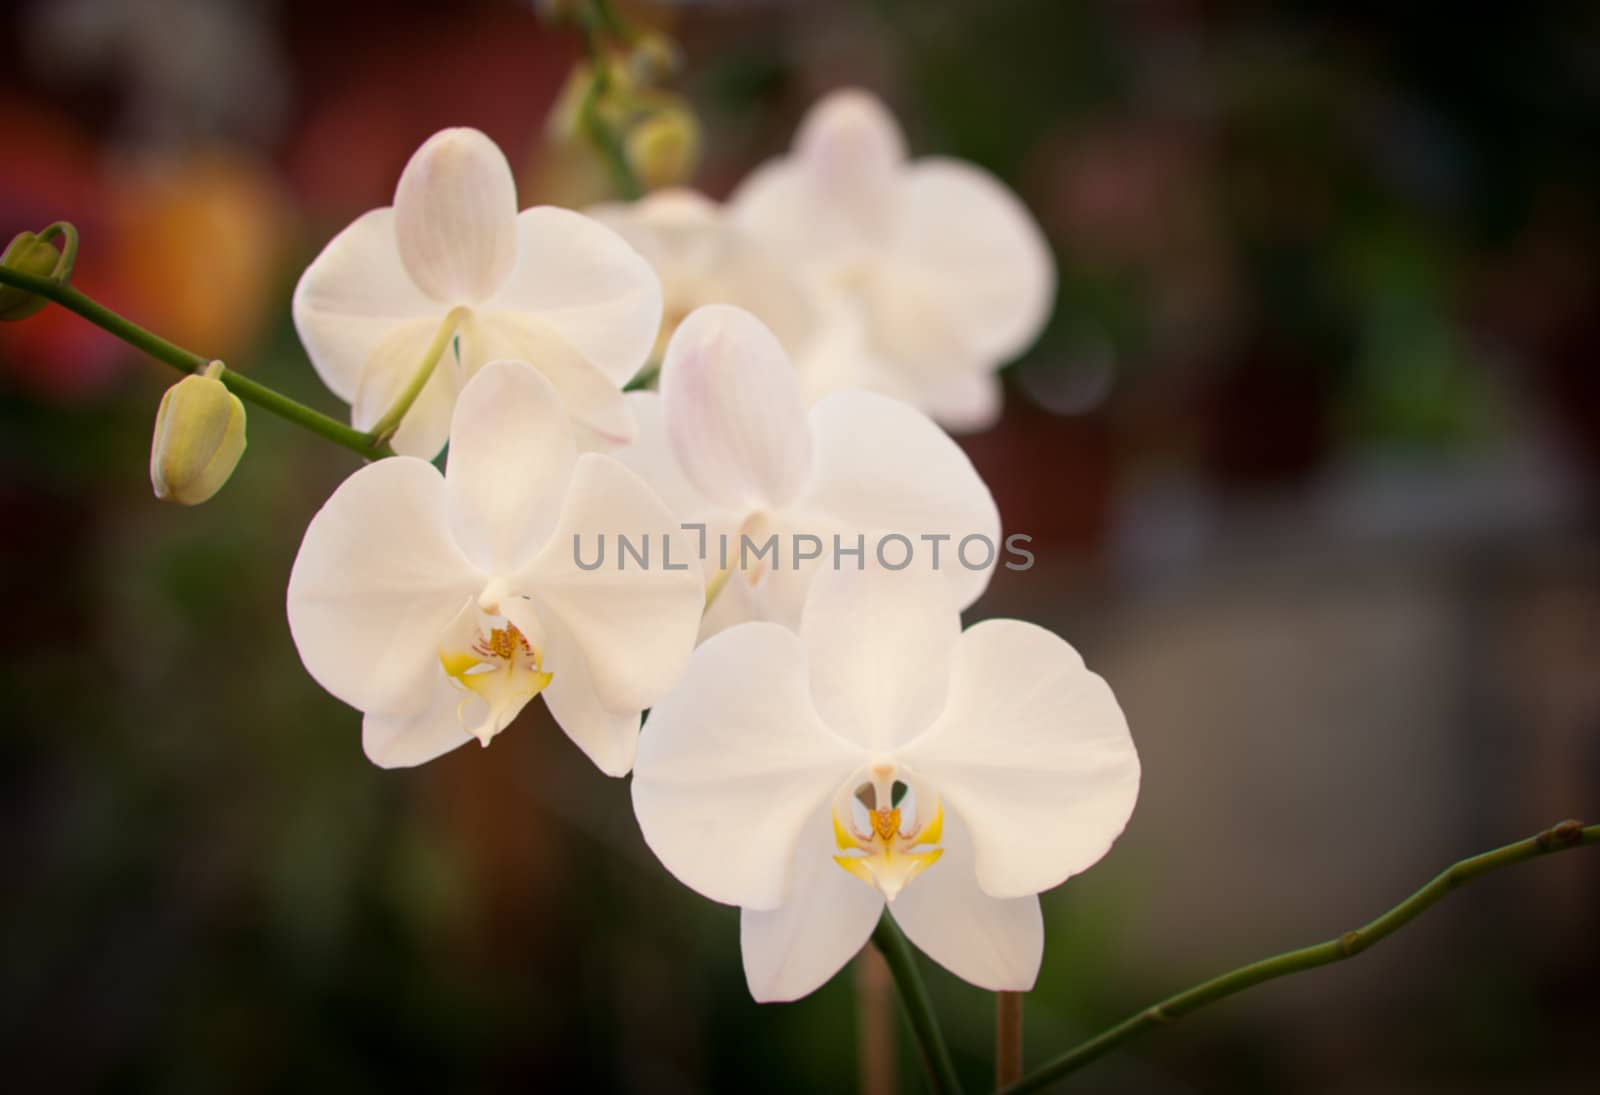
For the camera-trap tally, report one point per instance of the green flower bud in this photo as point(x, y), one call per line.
point(664, 149)
point(198, 440)
point(27, 254)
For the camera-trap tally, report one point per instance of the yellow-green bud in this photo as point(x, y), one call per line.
point(27, 254)
point(198, 440)
point(653, 58)
point(664, 149)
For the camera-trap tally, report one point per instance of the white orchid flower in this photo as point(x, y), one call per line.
point(728, 444)
point(702, 258)
point(884, 758)
point(936, 272)
point(548, 286)
point(439, 605)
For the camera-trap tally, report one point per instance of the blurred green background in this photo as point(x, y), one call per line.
point(1309, 455)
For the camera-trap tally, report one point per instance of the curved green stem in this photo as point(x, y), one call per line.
point(68, 234)
point(386, 426)
point(1568, 834)
point(189, 362)
point(595, 127)
point(896, 951)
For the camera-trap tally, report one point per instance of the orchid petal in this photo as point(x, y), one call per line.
point(1034, 753)
point(986, 260)
point(994, 943)
point(915, 330)
point(841, 358)
point(377, 579)
point(667, 227)
point(455, 212)
point(635, 623)
point(511, 459)
point(880, 647)
point(592, 400)
point(649, 455)
point(791, 951)
point(778, 591)
point(352, 297)
point(970, 403)
point(702, 257)
point(733, 766)
point(884, 468)
point(407, 740)
point(836, 193)
point(735, 413)
point(608, 738)
point(581, 280)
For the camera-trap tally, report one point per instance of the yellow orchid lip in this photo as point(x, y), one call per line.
point(892, 848)
point(503, 669)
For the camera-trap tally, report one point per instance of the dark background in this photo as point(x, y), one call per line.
point(1309, 455)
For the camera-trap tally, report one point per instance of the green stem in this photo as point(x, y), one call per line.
point(189, 362)
point(385, 427)
point(902, 962)
point(643, 378)
point(1568, 834)
point(68, 234)
point(605, 14)
point(595, 127)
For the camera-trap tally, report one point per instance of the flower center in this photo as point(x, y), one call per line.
point(887, 829)
point(501, 668)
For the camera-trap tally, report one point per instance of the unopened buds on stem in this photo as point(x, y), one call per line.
point(664, 148)
point(34, 253)
point(198, 440)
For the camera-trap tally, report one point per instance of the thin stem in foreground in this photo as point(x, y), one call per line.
point(1007, 1038)
point(1568, 834)
point(189, 362)
point(385, 427)
point(896, 951)
point(875, 1025)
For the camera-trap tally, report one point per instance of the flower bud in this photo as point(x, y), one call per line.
point(664, 148)
point(27, 254)
point(654, 57)
point(198, 440)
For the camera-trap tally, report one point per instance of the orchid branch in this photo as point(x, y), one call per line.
point(384, 429)
point(187, 361)
point(1559, 838)
point(598, 19)
point(896, 951)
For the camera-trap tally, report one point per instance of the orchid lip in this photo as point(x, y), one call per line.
point(887, 826)
point(497, 664)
